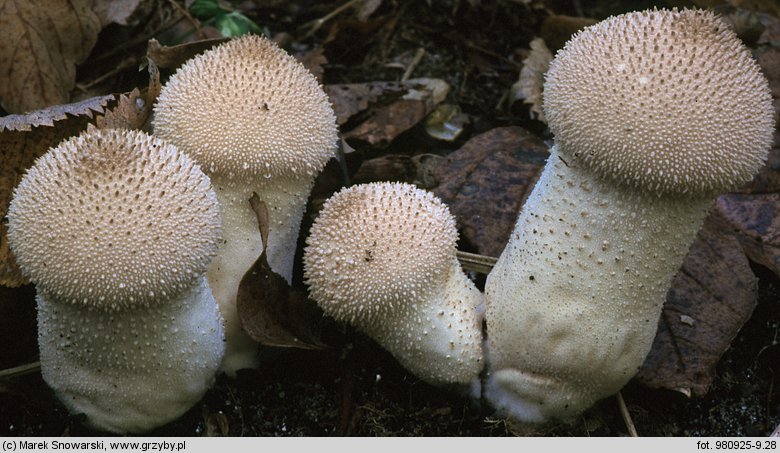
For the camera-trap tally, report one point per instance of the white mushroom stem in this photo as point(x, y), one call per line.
point(439, 340)
point(382, 258)
point(241, 246)
point(574, 300)
point(131, 370)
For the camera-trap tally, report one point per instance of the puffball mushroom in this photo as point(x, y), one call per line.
point(116, 229)
point(257, 121)
point(653, 113)
point(381, 257)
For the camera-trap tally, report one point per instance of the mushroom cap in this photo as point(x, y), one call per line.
point(113, 219)
point(246, 108)
point(377, 247)
point(664, 101)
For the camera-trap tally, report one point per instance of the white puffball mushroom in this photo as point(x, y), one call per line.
point(382, 257)
point(654, 113)
point(257, 121)
point(116, 229)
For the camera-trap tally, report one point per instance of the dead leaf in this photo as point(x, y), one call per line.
point(171, 57)
point(126, 12)
point(386, 121)
point(529, 85)
point(350, 99)
point(314, 60)
point(557, 29)
point(42, 42)
point(756, 219)
point(711, 298)
point(486, 182)
point(271, 312)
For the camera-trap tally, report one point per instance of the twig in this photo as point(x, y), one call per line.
point(186, 15)
point(317, 23)
point(626, 416)
point(413, 64)
point(776, 432)
point(20, 370)
point(476, 263)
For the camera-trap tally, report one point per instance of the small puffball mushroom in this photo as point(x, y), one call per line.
point(381, 257)
point(256, 121)
point(653, 113)
point(116, 229)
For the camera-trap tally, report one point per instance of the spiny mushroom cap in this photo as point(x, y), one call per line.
point(112, 219)
point(664, 101)
point(378, 247)
point(247, 108)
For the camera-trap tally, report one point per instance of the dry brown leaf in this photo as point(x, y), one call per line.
point(314, 60)
point(386, 121)
point(486, 182)
point(350, 99)
point(126, 12)
point(757, 220)
point(711, 298)
point(42, 42)
point(530, 84)
point(557, 29)
point(271, 312)
point(171, 57)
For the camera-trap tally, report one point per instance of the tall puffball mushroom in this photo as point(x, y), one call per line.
point(381, 257)
point(653, 113)
point(116, 229)
point(257, 121)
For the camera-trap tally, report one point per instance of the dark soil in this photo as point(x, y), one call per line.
point(356, 388)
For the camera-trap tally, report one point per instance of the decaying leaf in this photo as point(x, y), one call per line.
point(446, 122)
point(271, 312)
point(134, 109)
point(557, 29)
point(125, 12)
point(350, 99)
point(486, 182)
point(42, 42)
point(388, 108)
point(711, 298)
point(529, 85)
point(418, 169)
point(171, 57)
point(756, 218)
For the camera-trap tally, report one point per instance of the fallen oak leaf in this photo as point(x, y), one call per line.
point(756, 218)
point(386, 109)
point(42, 43)
point(272, 313)
point(711, 298)
point(486, 181)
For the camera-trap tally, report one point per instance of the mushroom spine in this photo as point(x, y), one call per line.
point(654, 113)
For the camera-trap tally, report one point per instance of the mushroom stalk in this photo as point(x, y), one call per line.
point(241, 245)
point(382, 257)
point(654, 113)
point(574, 300)
point(123, 392)
point(256, 120)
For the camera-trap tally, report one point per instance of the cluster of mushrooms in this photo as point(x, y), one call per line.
point(147, 237)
